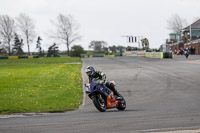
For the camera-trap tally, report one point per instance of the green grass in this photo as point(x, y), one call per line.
point(40, 85)
point(44, 60)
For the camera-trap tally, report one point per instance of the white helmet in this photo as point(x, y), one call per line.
point(89, 70)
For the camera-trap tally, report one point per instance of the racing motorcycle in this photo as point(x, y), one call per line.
point(186, 53)
point(103, 98)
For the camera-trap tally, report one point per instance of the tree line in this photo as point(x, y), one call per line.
point(101, 47)
point(19, 31)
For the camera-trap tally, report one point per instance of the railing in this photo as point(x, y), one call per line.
point(176, 43)
point(192, 42)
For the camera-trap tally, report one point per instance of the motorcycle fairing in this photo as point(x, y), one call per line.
point(111, 101)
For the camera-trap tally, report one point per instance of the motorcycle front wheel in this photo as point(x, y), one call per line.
point(99, 103)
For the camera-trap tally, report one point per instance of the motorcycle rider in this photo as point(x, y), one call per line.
point(186, 52)
point(90, 71)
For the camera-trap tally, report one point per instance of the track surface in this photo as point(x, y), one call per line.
point(160, 95)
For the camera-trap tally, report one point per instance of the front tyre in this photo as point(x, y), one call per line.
point(99, 103)
point(122, 103)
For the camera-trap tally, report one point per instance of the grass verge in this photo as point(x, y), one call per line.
point(40, 85)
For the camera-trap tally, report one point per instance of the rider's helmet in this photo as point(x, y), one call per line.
point(89, 70)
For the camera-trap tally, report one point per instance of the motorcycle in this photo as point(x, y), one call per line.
point(186, 53)
point(103, 98)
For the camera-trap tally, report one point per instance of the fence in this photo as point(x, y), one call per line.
point(19, 57)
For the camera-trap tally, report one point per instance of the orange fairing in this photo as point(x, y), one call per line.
point(111, 102)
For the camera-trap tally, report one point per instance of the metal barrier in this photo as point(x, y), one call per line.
point(19, 57)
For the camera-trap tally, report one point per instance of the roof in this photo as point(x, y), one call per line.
point(195, 25)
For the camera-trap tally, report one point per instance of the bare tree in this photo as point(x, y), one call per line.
point(7, 30)
point(196, 19)
point(176, 23)
point(67, 30)
point(27, 27)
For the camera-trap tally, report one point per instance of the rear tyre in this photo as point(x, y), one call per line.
point(122, 103)
point(99, 103)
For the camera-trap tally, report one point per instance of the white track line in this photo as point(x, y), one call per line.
point(194, 129)
point(83, 99)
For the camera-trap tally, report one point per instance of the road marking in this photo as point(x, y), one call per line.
point(83, 99)
point(192, 61)
point(73, 63)
point(180, 131)
point(21, 115)
point(195, 129)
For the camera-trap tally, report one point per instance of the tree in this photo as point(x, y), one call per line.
point(7, 29)
point(145, 43)
point(1, 48)
point(176, 23)
point(121, 49)
point(27, 28)
point(53, 50)
point(39, 47)
point(98, 45)
point(129, 48)
point(105, 49)
point(18, 44)
point(67, 30)
point(77, 50)
point(113, 49)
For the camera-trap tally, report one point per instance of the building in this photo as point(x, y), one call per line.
point(175, 37)
point(193, 29)
point(190, 38)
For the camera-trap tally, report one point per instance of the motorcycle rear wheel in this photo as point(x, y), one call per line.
point(99, 103)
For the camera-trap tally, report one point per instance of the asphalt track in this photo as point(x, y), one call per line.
point(161, 95)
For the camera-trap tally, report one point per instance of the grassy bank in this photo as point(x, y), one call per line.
point(40, 85)
point(40, 60)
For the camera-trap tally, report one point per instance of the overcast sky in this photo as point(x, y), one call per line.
point(106, 20)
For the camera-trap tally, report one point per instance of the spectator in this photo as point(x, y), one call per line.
point(178, 52)
point(181, 51)
point(190, 49)
point(175, 52)
point(193, 50)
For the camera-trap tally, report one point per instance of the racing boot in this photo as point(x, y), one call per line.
point(116, 94)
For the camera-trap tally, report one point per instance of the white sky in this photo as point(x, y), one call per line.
point(106, 20)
